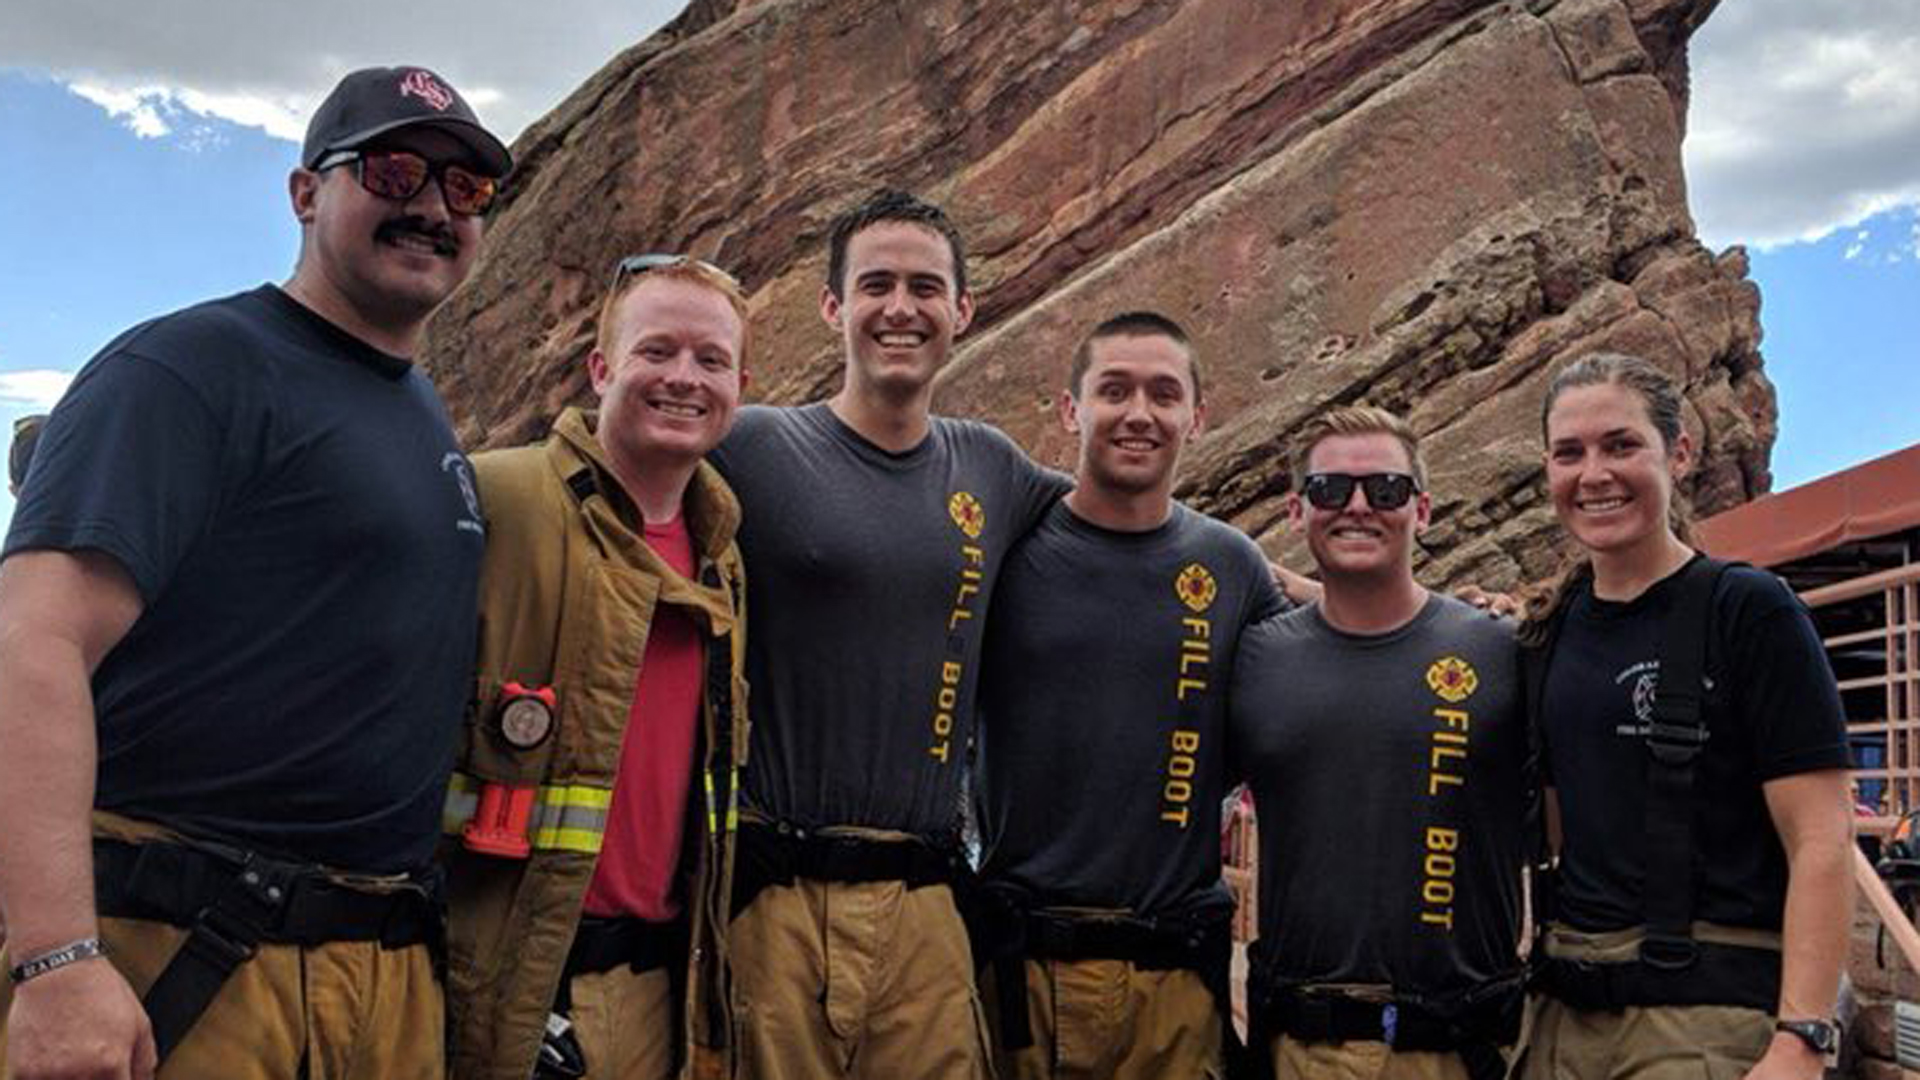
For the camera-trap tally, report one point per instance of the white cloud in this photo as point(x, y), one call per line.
point(140, 109)
point(33, 389)
point(161, 67)
point(1805, 118)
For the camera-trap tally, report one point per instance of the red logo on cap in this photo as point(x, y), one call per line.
point(428, 89)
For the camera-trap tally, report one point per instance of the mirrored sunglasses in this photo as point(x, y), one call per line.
point(400, 175)
point(1385, 491)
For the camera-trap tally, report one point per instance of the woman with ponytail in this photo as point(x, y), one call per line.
point(1703, 899)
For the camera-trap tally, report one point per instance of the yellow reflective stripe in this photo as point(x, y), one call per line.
point(712, 825)
point(565, 817)
point(593, 798)
point(586, 840)
point(463, 800)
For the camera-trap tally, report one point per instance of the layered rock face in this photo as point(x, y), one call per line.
point(1420, 204)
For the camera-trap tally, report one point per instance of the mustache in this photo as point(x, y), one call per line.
point(437, 233)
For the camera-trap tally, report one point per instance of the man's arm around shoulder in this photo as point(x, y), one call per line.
point(60, 614)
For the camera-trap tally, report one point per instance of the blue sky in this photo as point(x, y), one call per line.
point(144, 151)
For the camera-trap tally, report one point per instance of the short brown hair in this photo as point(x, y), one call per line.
point(1358, 420)
point(1134, 324)
point(892, 205)
point(693, 272)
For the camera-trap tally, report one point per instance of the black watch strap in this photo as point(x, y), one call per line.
point(1821, 1036)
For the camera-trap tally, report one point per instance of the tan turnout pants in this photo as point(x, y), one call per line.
point(1108, 1020)
point(1295, 1060)
point(340, 1011)
point(1665, 1042)
point(868, 980)
point(623, 1020)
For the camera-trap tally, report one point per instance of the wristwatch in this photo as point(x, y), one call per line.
point(1821, 1036)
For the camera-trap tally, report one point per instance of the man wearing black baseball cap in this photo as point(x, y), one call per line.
point(236, 624)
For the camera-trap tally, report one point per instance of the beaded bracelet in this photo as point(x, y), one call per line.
point(72, 953)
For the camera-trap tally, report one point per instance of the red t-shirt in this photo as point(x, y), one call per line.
point(646, 823)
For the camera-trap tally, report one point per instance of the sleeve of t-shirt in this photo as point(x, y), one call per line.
point(1243, 689)
point(1264, 597)
point(740, 444)
point(1033, 487)
point(128, 465)
point(1782, 681)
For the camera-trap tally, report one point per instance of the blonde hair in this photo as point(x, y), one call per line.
point(692, 271)
point(1351, 420)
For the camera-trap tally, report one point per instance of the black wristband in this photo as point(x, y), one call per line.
point(71, 953)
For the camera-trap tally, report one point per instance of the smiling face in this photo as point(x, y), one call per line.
point(671, 383)
point(900, 311)
point(389, 262)
point(1134, 410)
point(1609, 472)
point(1357, 540)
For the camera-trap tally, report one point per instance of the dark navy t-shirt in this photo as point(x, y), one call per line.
point(1388, 776)
point(305, 537)
point(868, 580)
point(1103, 709)
point(1771, 711)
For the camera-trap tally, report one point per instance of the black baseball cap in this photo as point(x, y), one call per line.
point(373, 101)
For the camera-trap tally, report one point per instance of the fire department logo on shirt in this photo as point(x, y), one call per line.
point(967, 513)
point(1645, 689)
point(1453, 679)
point(1196, 587)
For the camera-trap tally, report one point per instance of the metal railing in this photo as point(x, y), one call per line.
point(1892, 729)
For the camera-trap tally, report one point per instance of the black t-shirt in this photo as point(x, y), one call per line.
point(305, 538)
point(868, 579)
point(1771, 711)
point(1387, 772)
point(1103, 709)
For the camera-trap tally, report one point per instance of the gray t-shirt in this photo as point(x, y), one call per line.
point(1387, 775)
point(1103, 709)
point(868, 576)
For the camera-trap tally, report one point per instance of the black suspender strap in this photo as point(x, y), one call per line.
point(1676, 734)
point(224, 936)
point(230, 901)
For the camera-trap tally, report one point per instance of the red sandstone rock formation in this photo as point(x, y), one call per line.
point(1423, 204)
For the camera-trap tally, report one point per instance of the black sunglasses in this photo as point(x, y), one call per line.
point(635, 265)
point(400, 175)
point(1385, 490)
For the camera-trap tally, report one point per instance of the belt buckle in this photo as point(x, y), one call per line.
point(1669, 952)
point(1316, 1017)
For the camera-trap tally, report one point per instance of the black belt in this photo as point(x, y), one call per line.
point(1476, 1029)
point(1145, 943)
point(1199, 941)
point(602, 944)
point(780, 854)
point(1718, 975)
point(230, 901)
